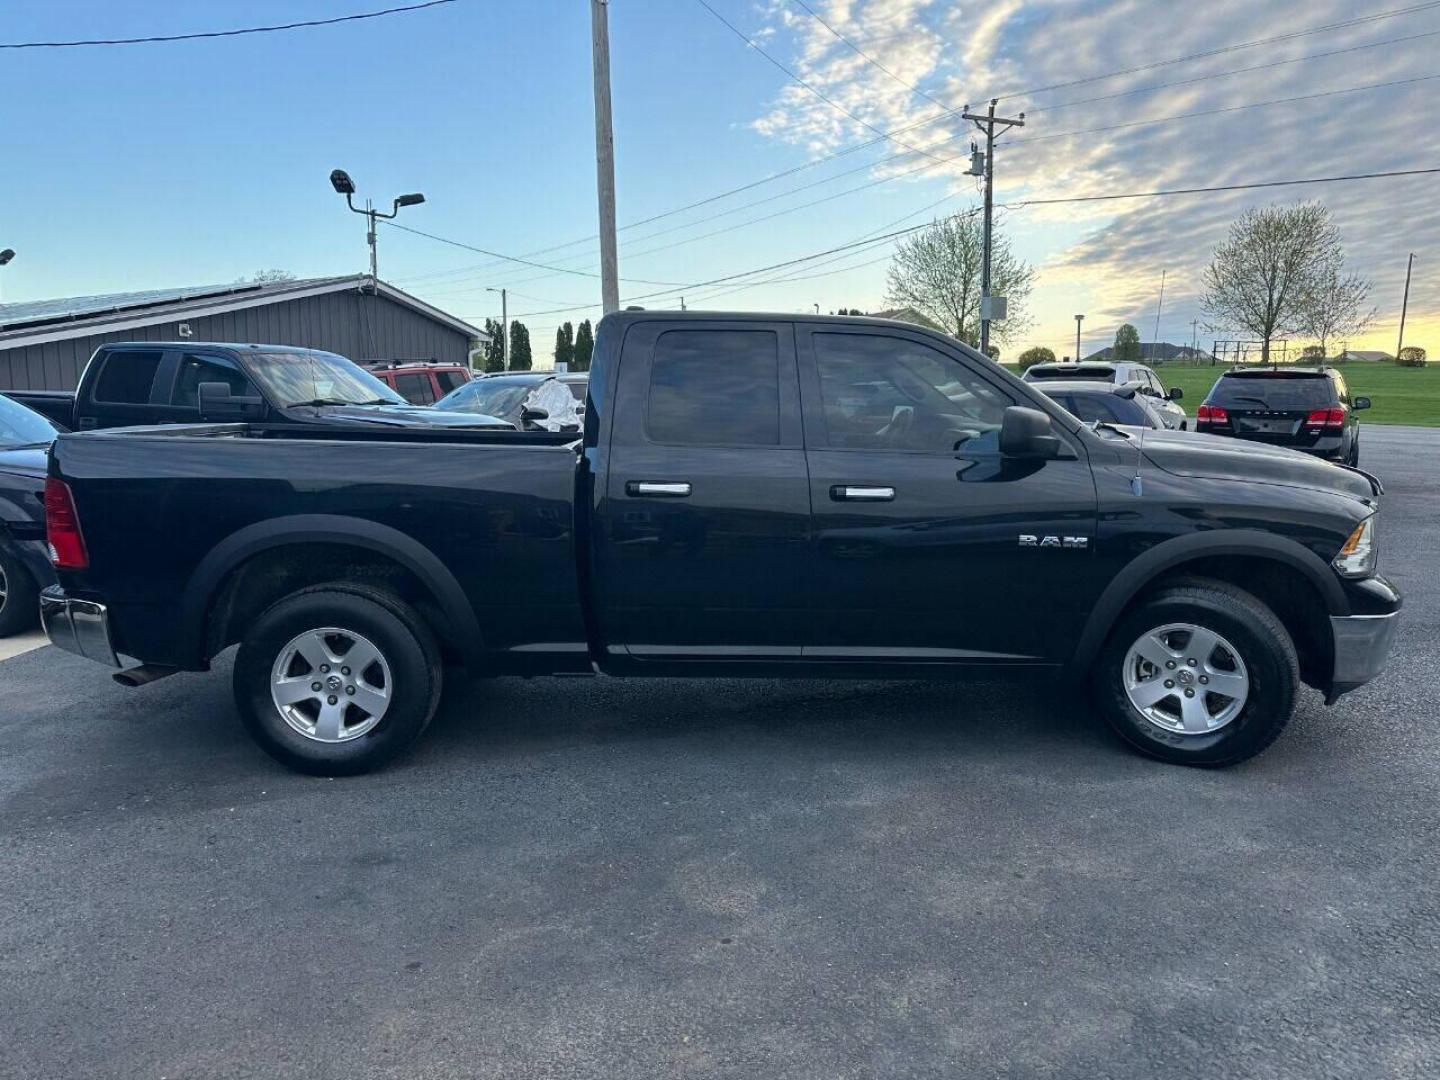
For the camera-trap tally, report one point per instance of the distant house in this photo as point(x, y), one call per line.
point(1156, 352)
point(910, 315)
point(44, 344)
point(1362, 356)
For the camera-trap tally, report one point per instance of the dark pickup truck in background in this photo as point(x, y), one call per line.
point(751, 495)
point(149, 382)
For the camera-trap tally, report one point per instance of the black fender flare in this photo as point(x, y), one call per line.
point(300, 529)
point(1146, 567)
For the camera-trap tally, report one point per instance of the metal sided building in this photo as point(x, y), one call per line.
point(45, 344)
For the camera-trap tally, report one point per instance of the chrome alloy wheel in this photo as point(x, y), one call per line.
point(1187, 679)
point(331, 685)
point(4, 588)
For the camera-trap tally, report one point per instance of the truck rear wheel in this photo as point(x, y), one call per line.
point(1201, 673)
point(337, 679)
point(19, 596)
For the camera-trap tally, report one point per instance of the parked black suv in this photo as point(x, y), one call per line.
point(1306, 409)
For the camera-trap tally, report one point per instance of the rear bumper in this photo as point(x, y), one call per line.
point(1362, 645)
point(78, 626)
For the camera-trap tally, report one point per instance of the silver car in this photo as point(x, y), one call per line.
point(1119, 373)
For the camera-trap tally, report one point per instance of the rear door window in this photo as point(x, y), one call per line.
point(127, 377)
point(715, 388)
point(448, 381)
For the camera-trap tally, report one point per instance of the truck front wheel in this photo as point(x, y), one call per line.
point(1201, 673)
point(337, 679)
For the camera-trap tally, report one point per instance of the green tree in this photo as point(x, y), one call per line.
point(1039, 354)
point(1313, 352)
point(1279, 266)
point(1127, 345)
point(1411, 356)
point(937, 272)
point(584, 346)
point(495, 347)
point(520, 359)
point(565, 345)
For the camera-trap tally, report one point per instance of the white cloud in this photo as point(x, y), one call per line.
point(1113, 252)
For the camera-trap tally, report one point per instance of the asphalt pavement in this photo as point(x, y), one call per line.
point(744, 879)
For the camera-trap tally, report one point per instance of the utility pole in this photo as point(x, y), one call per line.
point(604, 155)
point(1404, 304)
point(370, 239)
point(1078, 320)
point(1159, 304)
point(682, 303)
point(504, 326)
point(986, 123)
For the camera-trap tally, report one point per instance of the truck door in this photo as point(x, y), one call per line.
point(929, 546)
point(702, 527)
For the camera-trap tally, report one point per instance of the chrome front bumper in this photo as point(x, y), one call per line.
point(78, 626)
point(1362, 645)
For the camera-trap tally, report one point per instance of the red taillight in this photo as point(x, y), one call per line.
point(1325, 418)
point(62, 527)
point(1212, 414)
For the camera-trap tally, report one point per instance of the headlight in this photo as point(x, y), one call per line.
point(1357, 557)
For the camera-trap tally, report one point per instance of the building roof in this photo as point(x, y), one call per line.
point(1365, 354)
point(37, 321)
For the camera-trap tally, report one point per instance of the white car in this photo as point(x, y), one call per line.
point(1119, 373)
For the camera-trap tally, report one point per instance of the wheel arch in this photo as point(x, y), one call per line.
point(1206, 555)
point(198, 607)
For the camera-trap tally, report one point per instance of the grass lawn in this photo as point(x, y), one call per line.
point(1399, 395)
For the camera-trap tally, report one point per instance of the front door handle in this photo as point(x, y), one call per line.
point(861, 493)
point(656, 489)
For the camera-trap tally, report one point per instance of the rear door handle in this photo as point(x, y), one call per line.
point(656, 489)
point(859, 493)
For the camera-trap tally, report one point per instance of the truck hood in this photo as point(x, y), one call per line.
point(1218, 457)
point(402, 416)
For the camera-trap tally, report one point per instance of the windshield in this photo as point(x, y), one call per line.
point(20, 426)
point(306, 378)
point(493, 397)
point(1283, 392)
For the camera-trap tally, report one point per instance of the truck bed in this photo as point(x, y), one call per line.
point(163, 507)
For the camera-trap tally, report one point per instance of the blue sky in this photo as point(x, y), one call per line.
point(200, 162)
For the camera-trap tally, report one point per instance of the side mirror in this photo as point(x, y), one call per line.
point(1025, 433)
point(531, 415)
point(1175, 393)
point(217, 403)
point(1360, 403)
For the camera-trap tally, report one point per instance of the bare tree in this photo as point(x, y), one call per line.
point(266, 277)
point(1335, 306)
point(1262, 278)
point(937, 271)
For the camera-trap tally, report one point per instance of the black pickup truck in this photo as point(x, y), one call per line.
point(751, 495)
point(179, 382)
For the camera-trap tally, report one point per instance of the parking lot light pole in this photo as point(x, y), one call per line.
point(343, 185)
point(1078, 320)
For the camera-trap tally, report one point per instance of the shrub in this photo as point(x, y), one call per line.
point(1411, 356)
point(1039, 354)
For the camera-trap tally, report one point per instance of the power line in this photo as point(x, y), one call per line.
point(807, 86)
point(225, 33)
point(1031, 202)
point(871, 60)
point(1056, 107)
point(513, 258)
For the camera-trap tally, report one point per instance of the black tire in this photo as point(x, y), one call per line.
point(20, 605)
point(1257, 635)
point(1354, 461)
point(403, 640)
